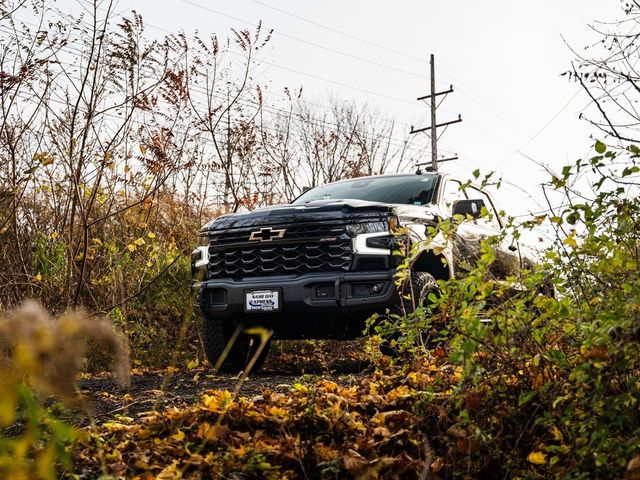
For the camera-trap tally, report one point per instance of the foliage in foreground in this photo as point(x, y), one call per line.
point(550, 373)
point(42, 356)
point(548, 388)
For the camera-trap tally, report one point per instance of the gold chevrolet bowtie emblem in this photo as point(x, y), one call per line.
point(266, 235)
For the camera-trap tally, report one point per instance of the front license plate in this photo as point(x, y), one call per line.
point(262, 301)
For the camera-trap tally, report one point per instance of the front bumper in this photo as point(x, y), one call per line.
point(313, 305)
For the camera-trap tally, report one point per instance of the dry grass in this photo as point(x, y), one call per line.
point(48, 353)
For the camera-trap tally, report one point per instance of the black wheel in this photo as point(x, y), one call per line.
point(216, 334)
point(422, 284)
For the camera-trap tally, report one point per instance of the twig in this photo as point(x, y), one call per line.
point(426, 471)
point(154, 280)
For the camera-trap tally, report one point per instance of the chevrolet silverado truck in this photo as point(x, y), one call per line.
point(320, 266)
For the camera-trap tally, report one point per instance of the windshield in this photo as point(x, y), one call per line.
point(403, 189)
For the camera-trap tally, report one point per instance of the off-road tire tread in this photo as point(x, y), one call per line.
point(215, 337)
point(422, 284)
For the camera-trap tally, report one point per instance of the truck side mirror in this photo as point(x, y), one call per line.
point(468, 207)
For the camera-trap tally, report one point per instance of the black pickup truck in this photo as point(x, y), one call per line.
point(320, 266)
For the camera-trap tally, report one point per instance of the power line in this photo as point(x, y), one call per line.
point(339, 32)
point(544, 127)
point(482, 103)
point(292, 70)
point(507, 118)
point(307, 42)
point(273, 109)
point(269, 109)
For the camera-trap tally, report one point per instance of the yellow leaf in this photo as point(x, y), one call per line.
point(171, 472)
point(537, 458)
point(131, 247)
point(263, 332)
point(571, 241)
point(217, 400)
point(7, 401)
point(149, 264)
point(45, 462)
point(44, 158)
point(178, 436)
point(193, 364)
point(139, 241)
point(278, 412)
point(54, 235)
point(37, 278)
point(151, 235)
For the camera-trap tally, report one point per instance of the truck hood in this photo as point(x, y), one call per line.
point(319, 210)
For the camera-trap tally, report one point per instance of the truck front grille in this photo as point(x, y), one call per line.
point(303, 249)
point(280, 260)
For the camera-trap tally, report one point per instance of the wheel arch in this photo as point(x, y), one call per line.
point(436, 265)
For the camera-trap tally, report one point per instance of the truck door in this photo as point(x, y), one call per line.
point(470, 233)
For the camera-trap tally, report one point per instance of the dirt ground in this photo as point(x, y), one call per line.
point(288, 363)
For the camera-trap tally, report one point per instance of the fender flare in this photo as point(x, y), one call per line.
point(433, 256)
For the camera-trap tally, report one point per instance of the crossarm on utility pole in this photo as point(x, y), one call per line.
point(445, 124)
point(433, 128)
point(437, 94)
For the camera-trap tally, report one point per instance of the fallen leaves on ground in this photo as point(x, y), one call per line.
point(365, 430)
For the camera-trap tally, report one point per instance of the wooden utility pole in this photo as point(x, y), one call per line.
point(433, 128)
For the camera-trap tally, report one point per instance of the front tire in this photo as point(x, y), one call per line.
point(418, 290)
point(414, 294)
point(216, 334)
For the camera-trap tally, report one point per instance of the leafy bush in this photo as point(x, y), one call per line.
point(549, 386)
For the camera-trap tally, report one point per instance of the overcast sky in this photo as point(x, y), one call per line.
point(503, 57)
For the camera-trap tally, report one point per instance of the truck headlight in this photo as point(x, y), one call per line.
point(385, 241)
point(203, 240)
point(379, 243)
point(356, 229)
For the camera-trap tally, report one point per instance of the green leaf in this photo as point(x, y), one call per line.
point(526, 397)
